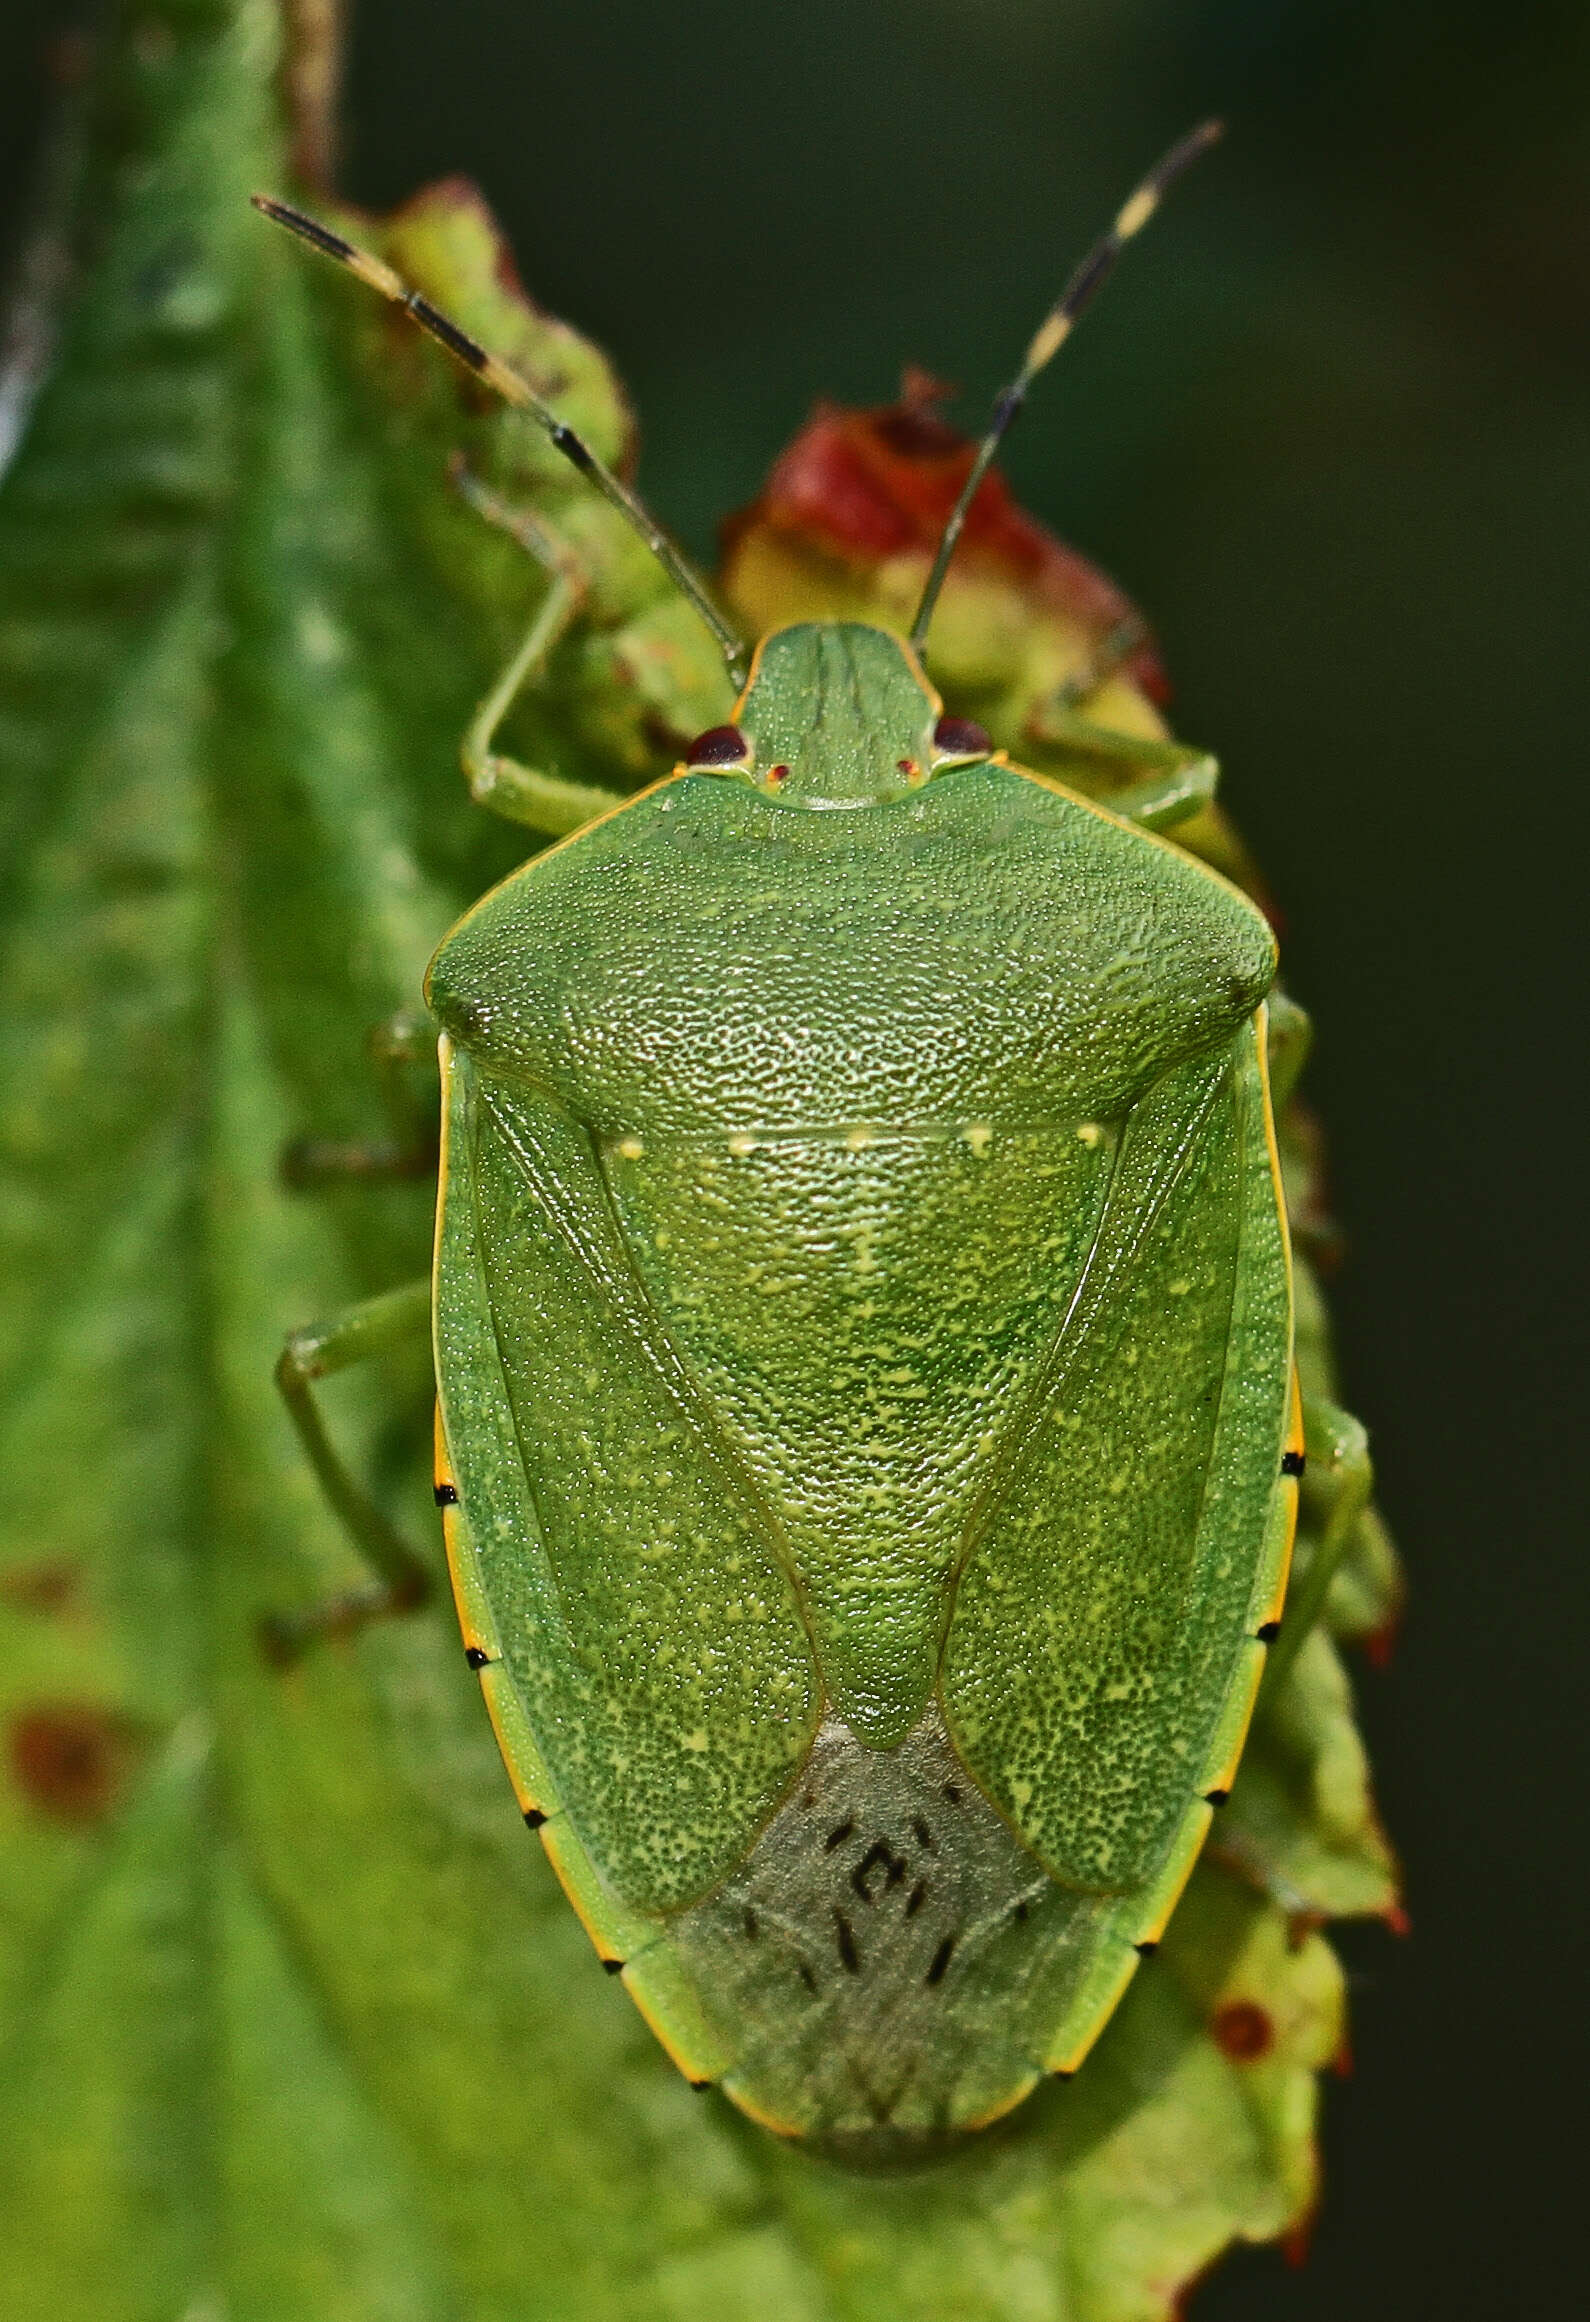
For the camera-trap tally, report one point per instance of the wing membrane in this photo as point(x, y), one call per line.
point(1101, 1619)
point(636, 1583)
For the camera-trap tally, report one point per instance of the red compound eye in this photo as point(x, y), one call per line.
point(1243, 2031)
point(961, 738)
point(718, 746)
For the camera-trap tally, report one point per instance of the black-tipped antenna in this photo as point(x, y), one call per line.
point(1051, 335)
point(507, 383)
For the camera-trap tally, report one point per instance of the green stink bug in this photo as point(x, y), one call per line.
point(869, 1437)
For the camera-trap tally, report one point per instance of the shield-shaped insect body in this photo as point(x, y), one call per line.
point(862, 1313)
point(864, 1346)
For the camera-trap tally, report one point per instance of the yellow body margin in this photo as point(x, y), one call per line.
point(1273, 1577)
point(620, 1937)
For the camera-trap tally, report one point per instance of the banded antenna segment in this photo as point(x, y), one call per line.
point(505, 381)
point(1084, 286)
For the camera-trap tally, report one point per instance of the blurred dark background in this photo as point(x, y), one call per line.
point(1331, 427)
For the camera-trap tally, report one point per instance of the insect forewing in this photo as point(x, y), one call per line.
point(863, 1299)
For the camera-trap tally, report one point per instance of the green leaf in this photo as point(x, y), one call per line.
point(293, 2018)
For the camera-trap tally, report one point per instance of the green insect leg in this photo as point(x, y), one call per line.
point(1340, 1477)
point(1179, 778)
point(546, 802)
point(396, 1045)
point(1290, 1036)
point(1112, 653)
point(1300, 1828)
point(401, 1580)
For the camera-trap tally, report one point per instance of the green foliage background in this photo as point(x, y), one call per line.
point(1343, 474)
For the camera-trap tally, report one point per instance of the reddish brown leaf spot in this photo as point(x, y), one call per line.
point(47, 1588)
point(1243, 2031)
point(70, 1760)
